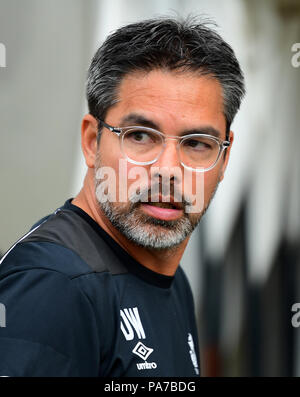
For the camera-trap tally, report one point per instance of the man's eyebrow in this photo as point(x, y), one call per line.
point(206, 129)
point(137, 119)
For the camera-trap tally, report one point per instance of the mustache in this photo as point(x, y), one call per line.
point(159, 193)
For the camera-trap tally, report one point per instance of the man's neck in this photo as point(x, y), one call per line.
point(160, 261)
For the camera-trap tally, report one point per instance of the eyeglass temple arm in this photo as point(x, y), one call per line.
point(112, 129)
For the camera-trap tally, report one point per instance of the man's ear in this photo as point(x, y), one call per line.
point(226, 156)
point(89, 131)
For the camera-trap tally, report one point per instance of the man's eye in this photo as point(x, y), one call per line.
point(139, 136)
point(197, 144)
point(142, 137)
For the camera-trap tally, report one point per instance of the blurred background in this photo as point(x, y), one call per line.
point(243, 261)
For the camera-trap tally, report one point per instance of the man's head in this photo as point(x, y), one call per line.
point(179, 78)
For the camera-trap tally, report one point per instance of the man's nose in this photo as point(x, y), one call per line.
point(168, 164)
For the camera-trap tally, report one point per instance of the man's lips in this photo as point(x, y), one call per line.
point(161, 212)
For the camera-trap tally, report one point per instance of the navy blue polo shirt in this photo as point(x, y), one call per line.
point(77, 304)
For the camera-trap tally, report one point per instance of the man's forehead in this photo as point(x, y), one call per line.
point(169, 84)
point(161, 95)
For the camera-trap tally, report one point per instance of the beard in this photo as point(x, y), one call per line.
point(141, 228)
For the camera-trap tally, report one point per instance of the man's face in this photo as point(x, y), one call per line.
point(175, 104)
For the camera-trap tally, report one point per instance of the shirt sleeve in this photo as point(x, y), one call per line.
point(25, 358)
point(50, 327)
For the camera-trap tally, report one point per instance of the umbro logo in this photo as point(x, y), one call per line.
point(142, 351)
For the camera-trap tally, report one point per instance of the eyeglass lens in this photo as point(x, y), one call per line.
point(145, 145)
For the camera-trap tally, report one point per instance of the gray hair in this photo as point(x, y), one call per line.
point(166, 43)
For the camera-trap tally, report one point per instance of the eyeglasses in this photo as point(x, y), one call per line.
point(143, 146)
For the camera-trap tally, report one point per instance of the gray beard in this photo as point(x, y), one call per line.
point(144, 230)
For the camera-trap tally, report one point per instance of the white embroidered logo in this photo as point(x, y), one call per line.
point(130, 325)
point(131, 322)
point(192, 353)
point(142, 351)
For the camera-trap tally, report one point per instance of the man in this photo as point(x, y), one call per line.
point(96, 289)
